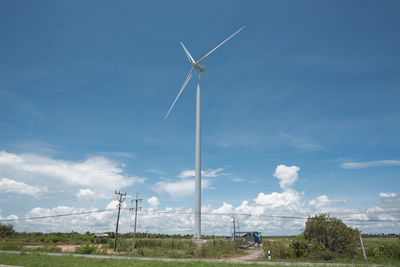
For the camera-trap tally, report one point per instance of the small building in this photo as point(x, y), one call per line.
point(251, 238)
point(104, 235)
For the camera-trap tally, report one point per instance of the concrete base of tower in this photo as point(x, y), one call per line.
point(199, 241)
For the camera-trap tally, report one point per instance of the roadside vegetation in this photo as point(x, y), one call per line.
point(43, 260)
point(325, 239)
point(146, 245)
point(328, 239)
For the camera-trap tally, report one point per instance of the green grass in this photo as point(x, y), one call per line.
point(43, 260)
point(380, 250)
point(145, 247)
point(377, 241)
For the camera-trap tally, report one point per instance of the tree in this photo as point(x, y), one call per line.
point(6, 230)
point(332, 233)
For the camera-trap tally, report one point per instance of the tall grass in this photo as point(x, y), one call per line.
point(43, 260)
point(182, 248)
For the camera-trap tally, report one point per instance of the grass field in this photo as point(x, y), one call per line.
point(43, 260)
point(380, 250)
point(145, 247)
point(378, 241)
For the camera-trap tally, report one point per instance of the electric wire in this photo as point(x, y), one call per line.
point(265, 215)
point(159, 211)
point(54, 216)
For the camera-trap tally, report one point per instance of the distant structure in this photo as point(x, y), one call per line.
point(197, 188)
point(100, 235)
point(251, 238)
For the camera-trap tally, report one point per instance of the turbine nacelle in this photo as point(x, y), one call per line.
point(199, 67)
point(196, 65)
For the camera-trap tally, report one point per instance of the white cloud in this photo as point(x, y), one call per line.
point(12, 186)
point(238, 180)
point(254, 215)
point(385, 195)
point(180, 187)
point(288, 199)
point(97, 174)
point(287, 175)
point(9, 159)
point(367, 164)
point(214, 220)
point(9, 217)
point(389, 200)
point(153, 202)
point(185, 186)
point(225, 208)
point(320, 201)
point(113, 204)
point(206, 173)
point(86, 194)
point(92, 222)
point(186, 174)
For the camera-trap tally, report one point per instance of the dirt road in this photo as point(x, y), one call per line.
point(255, 254)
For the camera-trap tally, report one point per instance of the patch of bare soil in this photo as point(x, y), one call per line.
point(68, 248)
point(255, 254)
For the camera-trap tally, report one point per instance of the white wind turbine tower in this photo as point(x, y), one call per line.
point(197, 188)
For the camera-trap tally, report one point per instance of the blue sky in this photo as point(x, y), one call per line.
point(312, 86)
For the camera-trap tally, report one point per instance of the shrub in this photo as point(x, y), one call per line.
point(101, 240)
point(316, 251)
point(6, 230)
point(300, 246)
point(332, 233)
point(390, 251)
point(11, 246)
point(280, 249)
point(86, 249)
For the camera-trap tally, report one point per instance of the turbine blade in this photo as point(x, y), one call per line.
point(180, 92)
point(212, 51)
point(187, 54)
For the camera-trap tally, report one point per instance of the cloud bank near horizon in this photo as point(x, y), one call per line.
point(289, 210)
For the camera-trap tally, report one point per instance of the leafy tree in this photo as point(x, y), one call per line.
point(6, 230)
point(332, 233)
point(300, 246)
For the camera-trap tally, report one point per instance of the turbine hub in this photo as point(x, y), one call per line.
point(200, 68)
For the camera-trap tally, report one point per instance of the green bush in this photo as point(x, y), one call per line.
point(281, 249)
point(163, 243)
point(300, 246)
point(390, 251)
point(11, 246)
point(332, 233)
point(101, 240)
point(6, 230)
point(86, 249)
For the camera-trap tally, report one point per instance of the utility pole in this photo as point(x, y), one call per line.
point(136, 208)
point(120, 200)
point(362, 244)
point(234, 233)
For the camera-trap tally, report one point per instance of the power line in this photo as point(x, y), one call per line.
point(365, 212)
point(358, 211)
point(58, 215)
point(149, 212)
point(265, 215)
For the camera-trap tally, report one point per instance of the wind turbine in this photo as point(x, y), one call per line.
point(196, 66)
